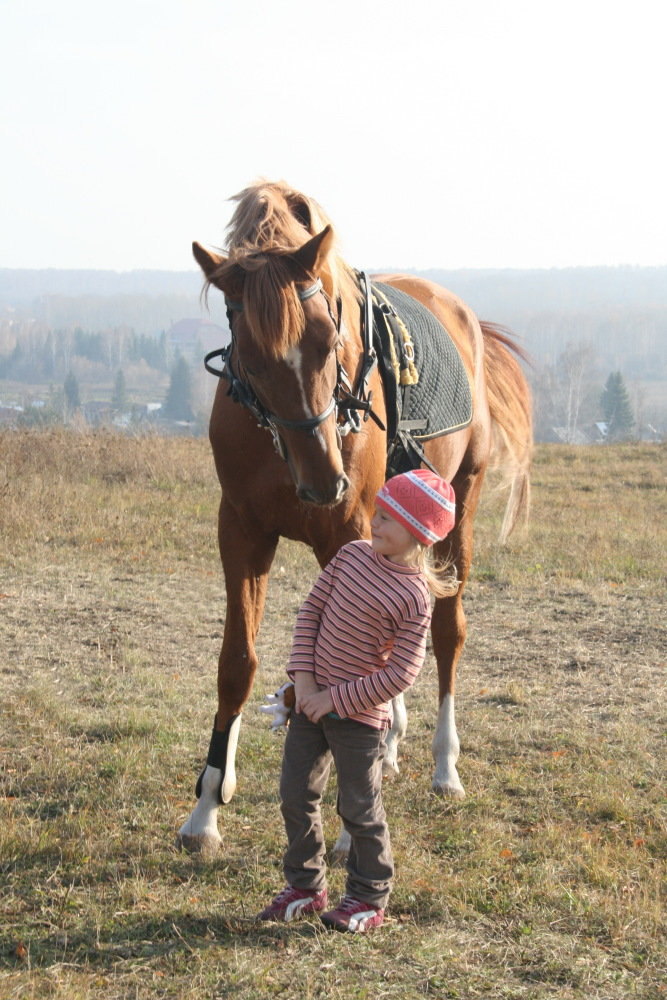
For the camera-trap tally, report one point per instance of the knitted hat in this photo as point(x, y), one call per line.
point(422, 502)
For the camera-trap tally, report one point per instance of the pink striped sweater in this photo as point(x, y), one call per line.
point(362, 632)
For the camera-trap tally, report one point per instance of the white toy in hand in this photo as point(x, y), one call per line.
point(280, 705)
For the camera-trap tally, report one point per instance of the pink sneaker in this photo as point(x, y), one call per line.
point(291, 903)
point(353, 915)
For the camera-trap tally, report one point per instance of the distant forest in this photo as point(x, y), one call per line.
point(578, 325)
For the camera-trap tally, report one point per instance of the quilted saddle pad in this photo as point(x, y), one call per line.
point(440, 402)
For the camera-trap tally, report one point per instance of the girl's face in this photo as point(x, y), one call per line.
point(391, 539)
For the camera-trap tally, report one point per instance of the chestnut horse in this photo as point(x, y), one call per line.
point(300, 446)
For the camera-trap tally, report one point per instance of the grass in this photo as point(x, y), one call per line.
point(598, 517)
point(546, 881)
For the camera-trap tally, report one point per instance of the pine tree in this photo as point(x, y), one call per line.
point(616, 408)
point(178, 403)
point(72, 395)
point(119, 399)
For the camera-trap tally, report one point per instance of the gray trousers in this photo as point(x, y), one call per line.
point(357, 751)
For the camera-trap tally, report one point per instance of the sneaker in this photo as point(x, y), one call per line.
point(353, 915)
point(292, 903)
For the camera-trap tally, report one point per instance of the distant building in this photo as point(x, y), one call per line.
point(146, 411)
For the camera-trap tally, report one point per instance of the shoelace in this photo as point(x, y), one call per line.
point(284, 894)
point(349, 905)
point(287, 893)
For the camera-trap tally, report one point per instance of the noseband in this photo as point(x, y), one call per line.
point(343, 401)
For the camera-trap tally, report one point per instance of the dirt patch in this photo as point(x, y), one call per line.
point(596, 656)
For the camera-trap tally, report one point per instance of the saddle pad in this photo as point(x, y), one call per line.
point(441, 400)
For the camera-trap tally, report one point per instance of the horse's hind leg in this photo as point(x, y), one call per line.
point(246, 560)
point(399, 728)
point(448, 631)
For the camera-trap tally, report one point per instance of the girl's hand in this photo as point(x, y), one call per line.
point(304, 685)
point(316, 706)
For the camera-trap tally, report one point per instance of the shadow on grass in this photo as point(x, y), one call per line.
point(134, 937)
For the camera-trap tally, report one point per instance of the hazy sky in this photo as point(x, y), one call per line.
point(475, 133)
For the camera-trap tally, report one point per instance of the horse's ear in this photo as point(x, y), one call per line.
point(300, 209)
point(228, 279)
point(311, 255)
point(208, 261)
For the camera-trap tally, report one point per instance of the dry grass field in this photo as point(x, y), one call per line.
point(545, 882)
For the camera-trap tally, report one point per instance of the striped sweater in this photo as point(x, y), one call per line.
point(362, 632)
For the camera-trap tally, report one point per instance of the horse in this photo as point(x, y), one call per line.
point(298, 431)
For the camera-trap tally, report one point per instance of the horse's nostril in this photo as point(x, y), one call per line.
point(304, 494)
point(343, 486)
point(309, 495)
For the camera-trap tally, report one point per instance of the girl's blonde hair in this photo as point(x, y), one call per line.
point(441, 578)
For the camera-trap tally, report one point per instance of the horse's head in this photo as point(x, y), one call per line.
point(286, 332)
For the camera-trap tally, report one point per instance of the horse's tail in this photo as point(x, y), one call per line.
point(510, 405)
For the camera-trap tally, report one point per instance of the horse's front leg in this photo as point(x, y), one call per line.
point(246, 560)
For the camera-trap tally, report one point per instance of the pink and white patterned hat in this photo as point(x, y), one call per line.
point(422, 502)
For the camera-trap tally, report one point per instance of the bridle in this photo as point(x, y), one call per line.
point(345, 402)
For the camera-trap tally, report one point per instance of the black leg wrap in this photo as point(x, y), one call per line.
point(217, 756)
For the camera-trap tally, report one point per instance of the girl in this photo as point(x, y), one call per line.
point(359, 641)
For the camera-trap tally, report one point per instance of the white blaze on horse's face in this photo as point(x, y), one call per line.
point(313, 453)
point(294, 360)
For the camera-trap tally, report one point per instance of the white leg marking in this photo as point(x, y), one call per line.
point(229, 783)
point(446, 748)
point(200, 830)
point(399, 728)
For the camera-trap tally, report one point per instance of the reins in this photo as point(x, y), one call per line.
point(345, 401)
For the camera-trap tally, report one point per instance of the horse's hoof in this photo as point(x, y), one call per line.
point(340, 850)
point(206, 844)
point(337, 858)
point(448, 791)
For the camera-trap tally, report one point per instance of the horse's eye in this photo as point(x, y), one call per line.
point(328, 349)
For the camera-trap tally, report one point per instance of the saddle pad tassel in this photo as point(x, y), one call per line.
point(407, 374)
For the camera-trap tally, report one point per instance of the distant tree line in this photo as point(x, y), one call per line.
point(40, 354)
point(65, 405)
point(620, 311)
point(571, 395)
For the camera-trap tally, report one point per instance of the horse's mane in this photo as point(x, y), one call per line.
point(270, 222)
